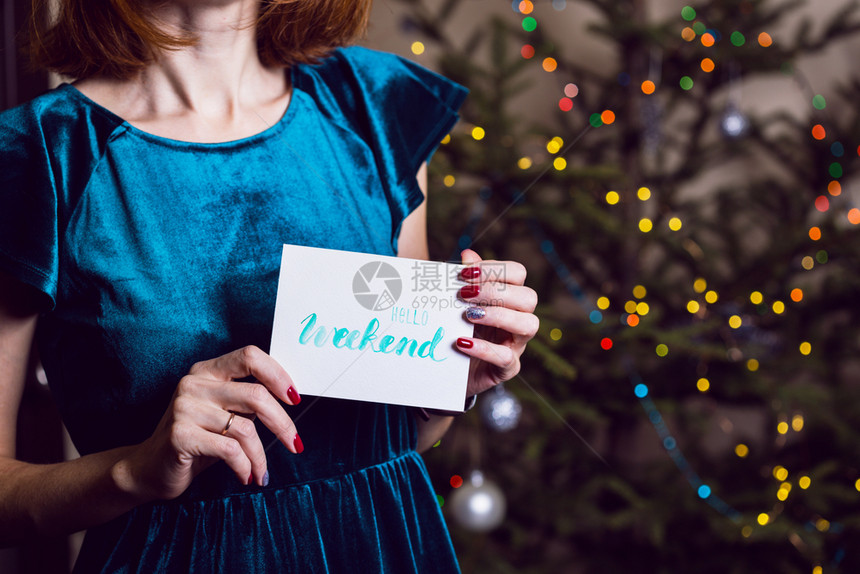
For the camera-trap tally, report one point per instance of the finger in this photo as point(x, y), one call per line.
point(200, 442)
point(511, 272)
point(255, 398)
point(522, 326)
point(241, 429)
point(251, 361)
point(501, 356)
point(517, 297)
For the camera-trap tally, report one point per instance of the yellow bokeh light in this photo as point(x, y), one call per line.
point(603, 303)
point(643, 193)
point(805, 348)
point(524, 162)
point(553, 146)
point(778, 307)
point(711, 297)
point(817, 570)
point(693, 307)
point(804, 482)
point(746, 531)
point(780, 473)
point(558, 140)
point(857, 484)
point(478, 133)
point(446, 139)
point(781, 494)
point(699, 285)
point(630, 307)
point(756, 298)
point(449, 180)
point(675, 224)
point(742, 450)
point(703, 384)
point(797, 423)
point(752, 365)
point(639, 291)
point(807, 262)
point(735, 322)
point(612, 197)
point(822, 524)
point(559, 163)
point(417, 48)
point(782, 428)
point(555, 334)
point(642, 308)
point(763, 518)
point(645, 225)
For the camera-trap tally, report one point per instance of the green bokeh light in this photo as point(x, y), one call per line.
point(688, 13)
point(738, 39)
point(529, 24)
point(686, 83)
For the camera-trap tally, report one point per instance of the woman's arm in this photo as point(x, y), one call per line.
point(44, 498)
point(413, 244)
point(69, 496)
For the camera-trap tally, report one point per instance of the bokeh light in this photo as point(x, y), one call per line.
point(742, 450)
point(756, 298)
point(645, 225)
point(559, 163)
point(549, 64)
point(814, 233)
point(478, 133)
point(703, 384)
point(854, 216)
point(693, 307)
point(643, 193)
point(765, 40)
point(675, 224)
point(796, 295)
point(612, 197)
point(708, 39)
point(699, 285)
point(417, 48)
point(524, 162)
point(606, 343)
point(603, 303)
point(648, 87)
point(527, 51)
point(711, 297)
point(639, 291)
point(805, 348)
point(571, 90)
point(707, 65)
point(555, 334)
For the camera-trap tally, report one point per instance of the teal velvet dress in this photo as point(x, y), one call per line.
point(152, 254)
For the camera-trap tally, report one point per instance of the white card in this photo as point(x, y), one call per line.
point(371, 328)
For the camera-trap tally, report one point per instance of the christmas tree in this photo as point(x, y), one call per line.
point(689, 402)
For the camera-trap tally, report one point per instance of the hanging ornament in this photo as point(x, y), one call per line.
point(733, 123)
point(500, 409)
point(479, 504)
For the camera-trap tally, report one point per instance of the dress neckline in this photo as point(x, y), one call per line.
point(270, 131)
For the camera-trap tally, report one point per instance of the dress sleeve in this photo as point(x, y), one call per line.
point(28, 206)
point(404, 110)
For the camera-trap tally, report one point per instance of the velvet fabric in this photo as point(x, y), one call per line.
point(152, 254)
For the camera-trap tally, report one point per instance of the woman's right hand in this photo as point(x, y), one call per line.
point(189, 436)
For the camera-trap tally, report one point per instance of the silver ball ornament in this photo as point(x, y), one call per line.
point(479, 504)
point(500, 409)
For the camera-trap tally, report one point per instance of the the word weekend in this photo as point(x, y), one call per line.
point(343, 338)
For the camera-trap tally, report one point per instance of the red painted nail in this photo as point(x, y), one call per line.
point(297, 443)
point(465, 343)
point(293, 395)
point(470, 273)
point(250, 478)
point(469, 291)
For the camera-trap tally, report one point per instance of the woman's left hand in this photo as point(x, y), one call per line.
point(508, 323)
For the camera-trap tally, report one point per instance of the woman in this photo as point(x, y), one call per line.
point(143, 210)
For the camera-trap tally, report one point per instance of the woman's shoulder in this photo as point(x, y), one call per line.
point(52, 122)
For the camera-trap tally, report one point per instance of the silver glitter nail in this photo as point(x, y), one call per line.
point(475, 313)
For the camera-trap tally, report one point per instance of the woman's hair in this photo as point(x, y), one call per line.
point(116, 38)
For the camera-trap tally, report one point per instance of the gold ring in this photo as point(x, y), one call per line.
point(229, 422)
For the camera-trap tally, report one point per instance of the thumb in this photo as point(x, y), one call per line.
point(468, 256)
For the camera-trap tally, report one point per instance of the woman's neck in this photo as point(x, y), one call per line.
point(215, 90)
